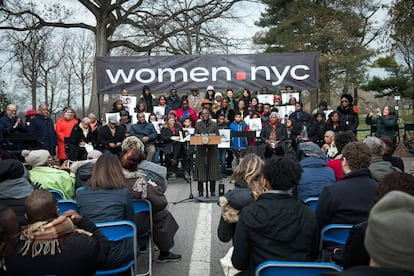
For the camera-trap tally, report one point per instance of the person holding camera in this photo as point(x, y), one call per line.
point(385, 121)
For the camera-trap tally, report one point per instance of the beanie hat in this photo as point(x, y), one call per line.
point(210, 87)
point(389, 238)
point(123, 112)
point(310, 149)
point(145, 88)
point(31, 112)
point(11, 169)
point(36, 157)
point(218, 94)
point(348, 97)
point(132, 142)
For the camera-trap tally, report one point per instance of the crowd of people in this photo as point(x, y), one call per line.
point(290, 158)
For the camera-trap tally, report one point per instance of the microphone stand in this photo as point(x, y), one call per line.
point(189, 158)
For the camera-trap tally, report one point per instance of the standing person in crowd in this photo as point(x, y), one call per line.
point(43, 126)
point(210, 94)
point(194, 99)
point(329, 147)
point(317, 129)
point(164, 224)
point(111, 136)
point(277, 226)
point(95, 126)
point(173, 100)
point(265, 114)
point(171, 133)
point(44, 173)
point(292, 101)
point(242, 108)
point(108, 199)
point(221, 123)
point(146, 133)
point(232, 100)
point(125, 121)
point(274, 135)
point(80, 138)
point(298, 118)
point(30, 115)
point(147, 99)
point(386, 122)
point(348, 116)
point(322, 107)
point(207, 165)
point(349, 199)
point(140, 108)
point(162, 101)
point(226, 111)
point(56, 245)
point(11, 124)
point(334, 122)
point(186, 111)
point(208, 105)
point(117, 106)
point(254, 102)
point(378, 167)
point(355, 253)
point(249, 170)
point(246, 96)
point(316, 174)
point(218, 98)
point(64, 126)
point(238, 144)
point(14, 187)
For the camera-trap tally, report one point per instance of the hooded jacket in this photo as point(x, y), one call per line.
point(277, 226)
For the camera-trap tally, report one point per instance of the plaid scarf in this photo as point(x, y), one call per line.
point(42, 237)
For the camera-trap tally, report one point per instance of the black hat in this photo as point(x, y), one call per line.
point(145, 88)
point(348, 97)
point(11, 169)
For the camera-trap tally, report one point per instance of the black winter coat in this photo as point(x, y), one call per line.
point(349, 118)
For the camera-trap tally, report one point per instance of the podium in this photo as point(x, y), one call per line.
point(205, 140)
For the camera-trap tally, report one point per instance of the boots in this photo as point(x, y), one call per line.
point(213, 188)
point(200, 188)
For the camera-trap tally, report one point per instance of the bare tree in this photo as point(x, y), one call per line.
point(135, 24)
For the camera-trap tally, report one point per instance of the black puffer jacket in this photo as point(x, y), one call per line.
point(349, 117)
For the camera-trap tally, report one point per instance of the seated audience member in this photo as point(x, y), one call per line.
point(349, 199)
point(387, 156)
point(146, 133)
point(316, 174)
point(82, 169)
point(80, 137)
point(164, 224)
point(125, 121)
point(334, 122)
point(277, 226)
point(389, 237)
point(248, 170)
point(385, 122)
point(171, 133)
point(46, 175)
point(317, 129)
point(355, 253)
point(274, 134)
point(341, 139)
point(9, 228)
point(108, 199)
point(14, 187)
point(378, 167)
point(329, 146)
point(57, 245)
point(153, 171)
point(111, 135)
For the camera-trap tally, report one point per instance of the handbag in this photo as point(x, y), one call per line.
point(156, 197)
point(227, 265)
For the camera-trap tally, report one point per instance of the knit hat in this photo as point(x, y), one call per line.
point(11, 169)
point(348, 97)
point(218, 94)
point(310, 149)
point(132, 142)
point(389, 238)
point(145, 88)
point(36, 157)
point(210, 87)
point(94, 154)
point(123, 112)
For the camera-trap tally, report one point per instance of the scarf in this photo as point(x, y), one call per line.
point(140, 184)
point(42, 237)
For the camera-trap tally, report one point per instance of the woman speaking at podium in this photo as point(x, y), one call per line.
point(207, 165)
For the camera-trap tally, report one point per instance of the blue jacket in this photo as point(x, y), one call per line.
point(238, 143)
point(45, 130)
point(315, 176)
point(146, 129)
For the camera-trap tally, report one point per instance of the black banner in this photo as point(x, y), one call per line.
point(161, 73)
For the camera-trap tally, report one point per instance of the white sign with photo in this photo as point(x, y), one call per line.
point(159, 111)
point(157, 125)
point(225, 139)
point(255, 124)
point(129, 102)
point(109, 115)
point(327, 112)
point(265, 98)
point(287, 96)
point(285, 111)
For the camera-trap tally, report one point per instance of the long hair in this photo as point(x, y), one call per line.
point(249, 168)
point(107, 173)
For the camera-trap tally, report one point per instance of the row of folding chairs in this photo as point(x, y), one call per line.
point(119, 230)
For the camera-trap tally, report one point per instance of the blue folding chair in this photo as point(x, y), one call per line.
point(116, 231)
point(67, 204)
point(336, 233)
point(58, 194)
point(270, 268)
point(140, 206)
point(312, 202)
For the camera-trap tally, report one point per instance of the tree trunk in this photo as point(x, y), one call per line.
point(33, 88)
